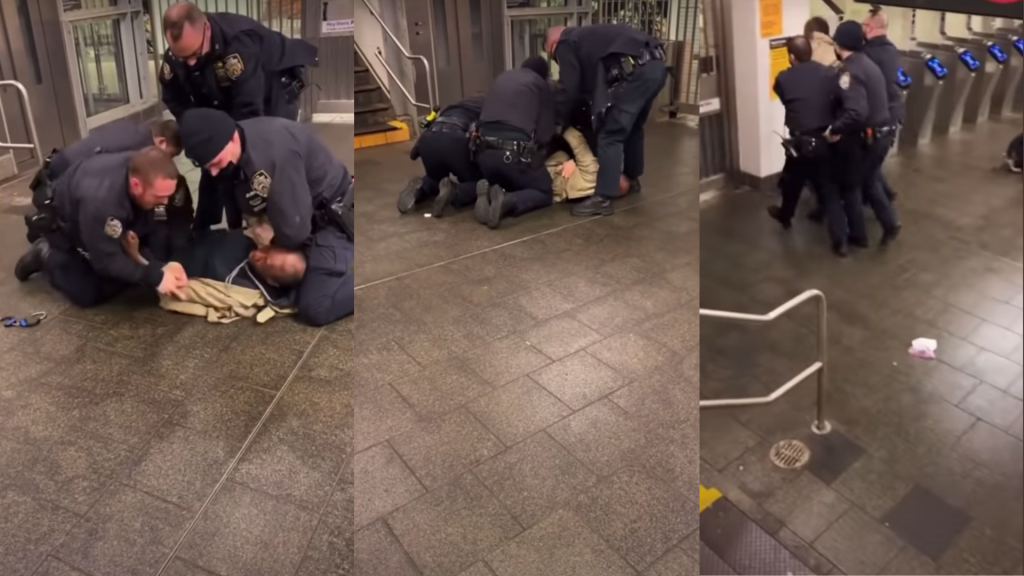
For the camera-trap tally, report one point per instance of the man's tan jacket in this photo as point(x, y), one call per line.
point(824, 49)
point(583, 180)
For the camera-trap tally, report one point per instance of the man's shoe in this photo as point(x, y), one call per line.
point(410, 195)
point(593, 206)
point(776, 213)
point(841, 250)
point(31, 262)
point(890, 236)
point(860, 243)
point(444, 197)
point(500, 205)
point(634, 187)
point(482, 210)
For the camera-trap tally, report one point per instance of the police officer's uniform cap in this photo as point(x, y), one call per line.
point(205, 132)
point(849, 36)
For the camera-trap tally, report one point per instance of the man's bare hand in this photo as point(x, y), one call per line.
point(832, 138)
point(130, 241)
point(568, 168)
point(175, 281)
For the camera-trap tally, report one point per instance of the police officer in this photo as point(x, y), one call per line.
point(444, 150)
point(279, 169)
point(233, 63)
point(96, 202)
point(886, 56)
point(808, 92)
point(620, 71)
point(859, 135)
point(516, 124)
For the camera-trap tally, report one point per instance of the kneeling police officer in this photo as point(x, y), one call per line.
point(444, 150)
point(620, 71)
point(279, 169)
point(516, 124)
point(94, 204)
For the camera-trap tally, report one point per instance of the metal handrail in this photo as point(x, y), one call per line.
point(30, 121)
point(821, 425)
point(431, 78)
point(380, 58)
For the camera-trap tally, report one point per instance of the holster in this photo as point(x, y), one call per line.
point(294, 82)
point(341, 213)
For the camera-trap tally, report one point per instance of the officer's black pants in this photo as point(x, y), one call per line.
point(620, 139)
point(528, 184)
point(444, 154)
point(327, 291)
point(850, 161)
point(216, 199)
point(71, 274)
point(874, 193)
point(817, 172)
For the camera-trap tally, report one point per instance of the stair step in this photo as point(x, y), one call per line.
point(374, 128)
point(367, 88)
point(360, 69)
point(372, 108)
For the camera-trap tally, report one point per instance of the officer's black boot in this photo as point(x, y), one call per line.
point(593, 206)
point(890, 236)
point(841, 249)
point(817, 215)
point(410, 196)
point(634, 187)
point(500, 206)
point(776, 213)
point(32, 261)
point(482, 210)
point(444, 197)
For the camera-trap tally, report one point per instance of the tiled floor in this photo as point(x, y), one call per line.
point(119, 425)
point(526, 397)
point(923, 473)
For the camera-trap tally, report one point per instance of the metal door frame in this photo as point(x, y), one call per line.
point(573, 13)
point(719, 128)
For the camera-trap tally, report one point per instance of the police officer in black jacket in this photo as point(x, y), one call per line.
point(808, 91)
point(619, 71)
point(95, 203)
point(516, 124)
point(886, 56)
point(444, 150)
point(280, 169)
point(233, 63)
point(860, 134)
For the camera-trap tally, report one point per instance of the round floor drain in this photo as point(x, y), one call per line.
point(790, 454)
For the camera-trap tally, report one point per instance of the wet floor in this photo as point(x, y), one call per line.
point(526, 397)
point(923, 471)
point(133, 440)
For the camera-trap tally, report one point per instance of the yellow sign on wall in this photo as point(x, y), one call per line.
point(778, 60)
point(771, 18)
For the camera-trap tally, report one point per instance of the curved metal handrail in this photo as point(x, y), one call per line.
point(431, 79)
point(391, 73)
point(819, 368)
point(30, 121)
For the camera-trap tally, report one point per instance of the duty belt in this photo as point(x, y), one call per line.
point(522, 150)
point(341, 212)
point(443, 124)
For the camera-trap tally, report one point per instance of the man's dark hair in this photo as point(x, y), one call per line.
point(800, 48)
point(168, 130)
point(538, 64)
point(151, 163)
point(180, 14)
point(816, 24)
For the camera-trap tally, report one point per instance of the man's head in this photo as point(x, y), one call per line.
point(152, 178)
point(554, 34)
point(849, 38)
point(875, 24)
point(187, 32)
point(211, 139)
point(816, 24)
point(166, 136)
point(539, 65)
point(799, 50)
point(278, 265)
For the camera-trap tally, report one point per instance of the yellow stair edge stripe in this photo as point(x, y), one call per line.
point(708, 496)
point(399, 134)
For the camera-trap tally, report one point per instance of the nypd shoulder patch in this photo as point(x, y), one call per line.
point(113, 228)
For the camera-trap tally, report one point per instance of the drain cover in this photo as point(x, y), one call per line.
point(790, 454)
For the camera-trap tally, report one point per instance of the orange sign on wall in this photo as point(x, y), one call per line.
point(771, 18)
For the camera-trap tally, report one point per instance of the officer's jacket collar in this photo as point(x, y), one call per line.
point(882, 40)
point(217, 40)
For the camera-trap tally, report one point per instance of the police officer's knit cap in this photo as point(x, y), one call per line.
point(849, 36)
point(538, 64)
point(204, 133)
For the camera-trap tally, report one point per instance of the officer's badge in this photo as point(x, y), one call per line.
point(220, 72)
point(261, 183)
point(160, 213)
point(113, 228)
point(165, 72)
point(233, 66)
point(844, 81)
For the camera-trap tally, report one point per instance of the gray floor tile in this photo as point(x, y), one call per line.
point(1016, 429)
point(382, 362)
point(807, 506)
point(871, 485)
point(981, 550)
point(533, 478)
point(632, 355)
point(321, 406)
point(179, 567)
point(54, 567)
point(378, 553)
point(993, 449)
point(30, 529)
point(675, 562)
point(331, 550)
point(332, 358)
point(227, 412)
point(679, 331)
point(995, 339)
point(127, 533)
point(601, 436)
point(248, 532)
point(560, 337)
point(517, 410)
point(129, 417)
point(453, 527)
point(441, 388)
point(994, 369)
point(609, 314)
point(951, 384)
point(804, 552)
point(505, 360)
point(561, 545)
point(380, 414)
point(832, 455)
point(480, 569)
point(993, 406)
point(926, 522)
point(446, 447)
point(383, 484)
point(639, 517)
point(579, 380)
point(724, 439)
point(909, 562)
point(264, 365)
point(856, 544)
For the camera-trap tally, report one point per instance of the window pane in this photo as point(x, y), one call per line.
point(76, 5)
point(100, 58)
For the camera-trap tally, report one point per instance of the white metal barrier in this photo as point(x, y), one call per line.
point(29, 121)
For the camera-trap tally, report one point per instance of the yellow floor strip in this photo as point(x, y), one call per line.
point(708, 496)
point(400, 134)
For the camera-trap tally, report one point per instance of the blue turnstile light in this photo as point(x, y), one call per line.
point(997, 53)
point(1019, 45)
point(968, 59)
point(903, 79)
point(935, 66)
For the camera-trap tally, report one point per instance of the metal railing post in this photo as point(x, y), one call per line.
point(30, 121)
point(432, 95)
point(819, 368)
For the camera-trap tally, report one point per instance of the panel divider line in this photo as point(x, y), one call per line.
point(517, 241)
point(238, 456)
